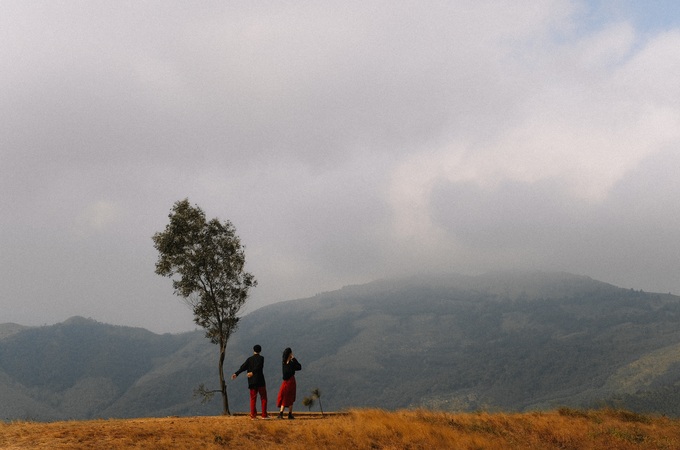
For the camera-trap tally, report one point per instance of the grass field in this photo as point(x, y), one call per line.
point(358, 429)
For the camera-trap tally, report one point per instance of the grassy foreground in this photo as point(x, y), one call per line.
point(358, 429)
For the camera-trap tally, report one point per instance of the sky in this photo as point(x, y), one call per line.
point(346, 141)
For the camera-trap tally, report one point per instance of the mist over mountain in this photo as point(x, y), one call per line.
point(501, 341)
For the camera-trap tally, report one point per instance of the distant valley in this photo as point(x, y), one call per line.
point(508, 341)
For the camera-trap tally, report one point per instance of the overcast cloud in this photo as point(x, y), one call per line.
point(346, 141)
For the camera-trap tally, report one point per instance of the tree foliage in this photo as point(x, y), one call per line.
point(207, 261)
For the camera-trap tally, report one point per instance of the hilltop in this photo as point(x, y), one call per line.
point(359, 429)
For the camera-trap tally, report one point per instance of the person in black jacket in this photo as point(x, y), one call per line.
point(254, 366)
point(288, 389)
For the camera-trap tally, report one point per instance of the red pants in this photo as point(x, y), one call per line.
point(262, 390)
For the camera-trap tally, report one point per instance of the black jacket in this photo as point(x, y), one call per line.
point(254, 364)
point(290, 368)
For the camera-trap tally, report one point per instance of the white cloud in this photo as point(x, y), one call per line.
point(581, 123)
point(346, 141)
point(97, 217)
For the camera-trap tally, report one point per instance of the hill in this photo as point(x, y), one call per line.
point(502, 341)
point(82, 369)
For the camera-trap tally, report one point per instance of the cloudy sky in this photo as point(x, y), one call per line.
point(346, 141)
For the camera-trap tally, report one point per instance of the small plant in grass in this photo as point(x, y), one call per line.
point(309, 401)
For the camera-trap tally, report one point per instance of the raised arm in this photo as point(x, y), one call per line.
point(296, 365)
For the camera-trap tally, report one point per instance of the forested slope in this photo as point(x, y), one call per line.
point(509, 341)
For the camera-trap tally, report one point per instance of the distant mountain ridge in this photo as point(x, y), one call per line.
point(499, 341)
point(8, 329)
point(84, 369)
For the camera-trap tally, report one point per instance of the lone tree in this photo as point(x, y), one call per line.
point(207, 260)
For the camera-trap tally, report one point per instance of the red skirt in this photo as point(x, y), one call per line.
point(287, 392)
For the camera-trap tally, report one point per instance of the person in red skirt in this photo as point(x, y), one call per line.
point(288, 388)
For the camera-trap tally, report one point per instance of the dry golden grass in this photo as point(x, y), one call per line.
point(358, 429)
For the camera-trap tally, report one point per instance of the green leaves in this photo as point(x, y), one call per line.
point(207, 262)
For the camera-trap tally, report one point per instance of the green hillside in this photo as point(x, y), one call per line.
point(505, 341)
point(84, 369)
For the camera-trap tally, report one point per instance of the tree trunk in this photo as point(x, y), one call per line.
point(223, 383)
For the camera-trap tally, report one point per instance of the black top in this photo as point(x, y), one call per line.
point(290, 368)
point(254, 364)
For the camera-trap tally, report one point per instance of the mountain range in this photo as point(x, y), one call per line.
point(510, 341)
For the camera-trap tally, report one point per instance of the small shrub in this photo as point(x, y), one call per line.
point(308, 402)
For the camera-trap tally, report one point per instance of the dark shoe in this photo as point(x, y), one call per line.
point(280, 415)
point(290, 416)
